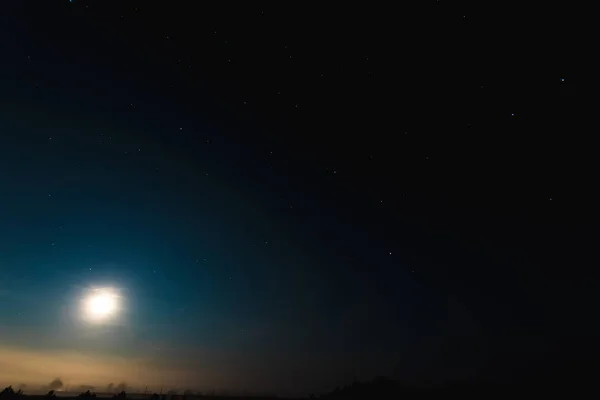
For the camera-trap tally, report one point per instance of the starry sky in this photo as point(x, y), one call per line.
point(288, 197)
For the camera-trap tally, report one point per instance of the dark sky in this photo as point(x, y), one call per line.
point(288, 196)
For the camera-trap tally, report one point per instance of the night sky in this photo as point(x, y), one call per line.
point(287, 197)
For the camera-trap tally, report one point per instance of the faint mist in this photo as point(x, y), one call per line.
point(39, 368)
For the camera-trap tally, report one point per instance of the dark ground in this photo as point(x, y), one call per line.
point(382, 388)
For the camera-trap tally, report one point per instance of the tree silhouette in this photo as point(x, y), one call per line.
point(87, 395)
point(56, 384)
point(9, 393)
point(121, 396)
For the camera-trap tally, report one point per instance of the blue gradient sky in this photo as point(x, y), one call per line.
point(281, 211)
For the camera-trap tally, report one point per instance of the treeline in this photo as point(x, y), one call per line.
point(10, 394)
point(376, 389)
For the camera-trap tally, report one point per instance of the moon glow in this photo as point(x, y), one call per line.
point(101, 305)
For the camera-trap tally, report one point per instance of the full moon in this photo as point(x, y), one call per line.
point(101, 304)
